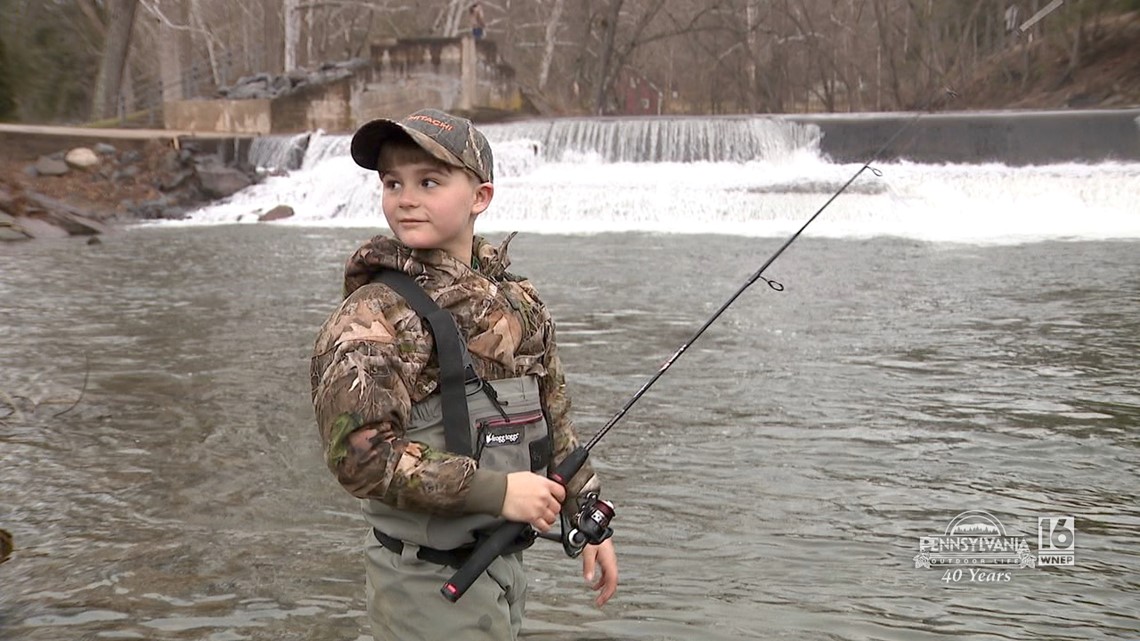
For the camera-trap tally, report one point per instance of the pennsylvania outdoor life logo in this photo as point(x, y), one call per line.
point(976, 547)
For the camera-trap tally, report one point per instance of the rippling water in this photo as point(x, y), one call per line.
point(160, 469)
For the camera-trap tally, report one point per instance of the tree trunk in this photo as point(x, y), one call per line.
point(751, 52)
point(199, 25)
point(292, 34)
point(116, 48)
point(551, 38)
point(604, 72)
point(272, 45)
point(170, 60)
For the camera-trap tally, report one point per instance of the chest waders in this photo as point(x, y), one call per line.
point(501, 424)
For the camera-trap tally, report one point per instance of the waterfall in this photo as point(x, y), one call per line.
point(751, 176)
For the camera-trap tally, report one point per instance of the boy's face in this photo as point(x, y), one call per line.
point(430, 205)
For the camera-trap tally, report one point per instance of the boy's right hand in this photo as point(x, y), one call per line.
point(533, 499)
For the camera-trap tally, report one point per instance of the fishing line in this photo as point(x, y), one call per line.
point(488, 549)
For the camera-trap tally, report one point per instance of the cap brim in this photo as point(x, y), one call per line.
point(371, 137)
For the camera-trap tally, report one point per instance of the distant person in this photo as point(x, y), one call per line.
point(444, 439)
point(478, 20)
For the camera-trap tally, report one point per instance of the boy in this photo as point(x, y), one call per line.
point(382, 410)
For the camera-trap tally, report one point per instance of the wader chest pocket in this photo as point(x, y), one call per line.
point(512, 443)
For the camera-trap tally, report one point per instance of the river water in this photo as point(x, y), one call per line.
point(161, 473)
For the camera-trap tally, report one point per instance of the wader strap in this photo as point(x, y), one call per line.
point(455, 365)
point(452, 558)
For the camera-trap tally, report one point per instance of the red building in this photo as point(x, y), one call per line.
point(637, 96)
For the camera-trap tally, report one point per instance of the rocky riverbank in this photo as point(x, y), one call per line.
point(83, 191)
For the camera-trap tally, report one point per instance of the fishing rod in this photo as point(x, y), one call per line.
point(592, 521)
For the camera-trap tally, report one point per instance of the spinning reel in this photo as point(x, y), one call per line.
point(591, 525)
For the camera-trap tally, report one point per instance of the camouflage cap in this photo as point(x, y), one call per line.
point(451, 139)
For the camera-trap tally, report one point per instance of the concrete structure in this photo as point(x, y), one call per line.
point(1010, 137)
point(325, 106)
point(455, 74)
point(460, 75)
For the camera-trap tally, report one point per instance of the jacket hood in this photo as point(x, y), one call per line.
point(382, 252)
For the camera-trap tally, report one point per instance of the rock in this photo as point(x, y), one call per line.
point(280, 85)
point(172, 161)
point(172, 182)
point(39, 229)
point(279, 212)
point(158, 209)
point(33, 215)
point(220, 182)
point(60, 215)
point(47, 166)
point(103, 149)
point(77, 225)
point(127, 173)
point(11, 233)
point(81, 158)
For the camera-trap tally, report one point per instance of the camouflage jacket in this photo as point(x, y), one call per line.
point(374, 358)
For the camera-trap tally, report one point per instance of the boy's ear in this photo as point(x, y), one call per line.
point(484, 192)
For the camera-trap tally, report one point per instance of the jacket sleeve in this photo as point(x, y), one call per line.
point(553, 387)
point(366, 371)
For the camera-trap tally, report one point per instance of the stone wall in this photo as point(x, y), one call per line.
point(495, 85)
point(327, 107)
point(230, 116)
point(454, 74)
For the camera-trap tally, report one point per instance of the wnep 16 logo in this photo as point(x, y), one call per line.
point(1056, 541)
point(977, 548)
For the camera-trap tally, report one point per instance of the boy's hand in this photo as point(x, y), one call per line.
point(603, 558)
point(533, 499)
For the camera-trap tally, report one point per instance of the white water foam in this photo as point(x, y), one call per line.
point(577, 191)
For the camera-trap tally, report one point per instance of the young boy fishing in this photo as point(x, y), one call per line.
point(444, 423)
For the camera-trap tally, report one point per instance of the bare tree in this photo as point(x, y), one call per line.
point(550, 41)
point(116, 48)
point(292, 33)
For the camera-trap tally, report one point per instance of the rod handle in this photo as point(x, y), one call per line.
point(506, 534)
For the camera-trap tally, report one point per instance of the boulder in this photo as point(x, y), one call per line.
point(39, 228)
point(220, 182)
point(279, 212)
point(29, 214)
point(81, 158)
point(46, 166)
point(61, 215)
point(12, 233)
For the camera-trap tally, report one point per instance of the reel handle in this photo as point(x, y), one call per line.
point(493, 546)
